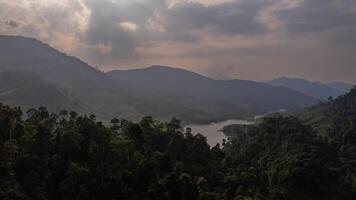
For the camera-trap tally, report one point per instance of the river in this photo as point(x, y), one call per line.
point(213, 131)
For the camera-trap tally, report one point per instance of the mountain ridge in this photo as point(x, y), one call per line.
point(168, 78)
point(321, 91)
point(163, 92)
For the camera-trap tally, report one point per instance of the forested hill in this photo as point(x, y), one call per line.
point(47, 77)
point(68, 156)
point(184, 83)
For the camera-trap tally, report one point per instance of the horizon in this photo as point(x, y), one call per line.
point(225, 39)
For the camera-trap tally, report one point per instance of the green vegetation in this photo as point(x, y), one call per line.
point(67, 156)
point(316, 117)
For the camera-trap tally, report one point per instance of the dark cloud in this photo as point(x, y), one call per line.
point(12, 23)
point(180, 23)
point(318, 15)
point(236, 17)
point(104, 29)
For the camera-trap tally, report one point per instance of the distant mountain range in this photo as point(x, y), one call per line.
point(34, 74)
point(230, 95)
point(317, 90)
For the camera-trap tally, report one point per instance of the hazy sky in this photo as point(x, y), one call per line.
point(246, 39)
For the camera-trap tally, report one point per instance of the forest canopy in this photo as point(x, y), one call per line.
point(44, 155)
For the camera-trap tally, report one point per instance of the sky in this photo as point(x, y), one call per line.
point(224, 39)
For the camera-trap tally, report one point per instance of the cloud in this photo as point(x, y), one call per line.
point(249, 39)
point(103, 30)
point(12, 23)
point(318, 15)
point(235, 17)
point(45, 20)
point(128, 26)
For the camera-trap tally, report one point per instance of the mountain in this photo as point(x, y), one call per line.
point(92, 89)
point(29, 90)
point(249, 94)
point(314, 89)
point(33, 74)
point(341, 86)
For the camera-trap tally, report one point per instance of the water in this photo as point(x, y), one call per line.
point(213, 131)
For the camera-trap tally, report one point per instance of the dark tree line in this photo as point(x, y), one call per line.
point(68, 156)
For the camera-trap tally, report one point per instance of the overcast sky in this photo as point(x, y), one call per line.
point(245, 39)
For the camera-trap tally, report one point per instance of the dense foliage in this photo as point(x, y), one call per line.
point(67, 156)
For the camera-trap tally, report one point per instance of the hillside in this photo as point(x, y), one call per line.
point(29, 90)
point(332, 113)
point(95, 92)
point(250, 94)
point(130, 94)
point(314, 89)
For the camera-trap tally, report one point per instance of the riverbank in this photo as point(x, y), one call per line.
point(216, 132)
